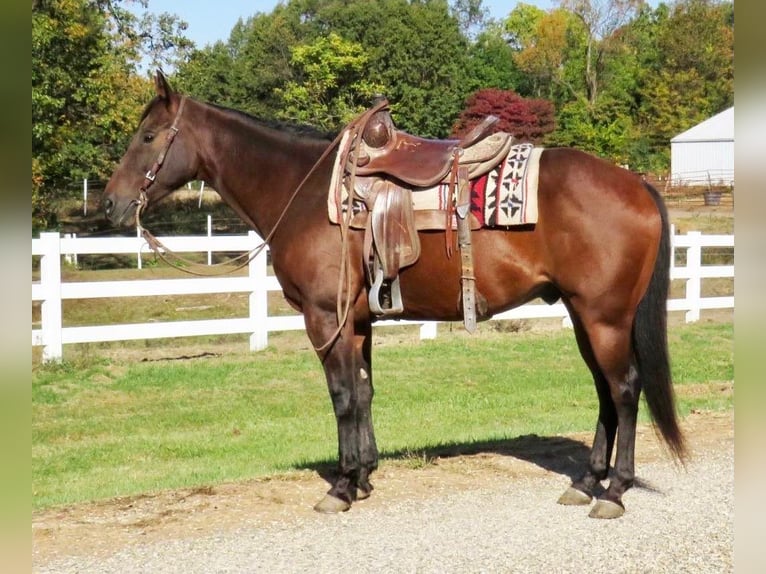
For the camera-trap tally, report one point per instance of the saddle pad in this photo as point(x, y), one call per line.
point(510, 196)
point(505, 196)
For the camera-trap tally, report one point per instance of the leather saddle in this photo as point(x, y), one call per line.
point(389, 165)
point(422, 162)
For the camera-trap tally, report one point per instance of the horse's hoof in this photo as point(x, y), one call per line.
point(362, 494)
point(606, 509)
point(331, 505)
point(574, 497)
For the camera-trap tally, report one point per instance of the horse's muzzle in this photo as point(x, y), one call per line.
point(120, 214)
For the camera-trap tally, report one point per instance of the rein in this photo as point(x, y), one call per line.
point(156, 245)
point(161, 250)
point(354, 130)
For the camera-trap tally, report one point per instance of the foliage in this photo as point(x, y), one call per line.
point(622, 77)
point(527, 119)
point(86, 94)
point(491, 63)
point(694, 78)
point(247, 71)
point(416, 50)
point(329, 90)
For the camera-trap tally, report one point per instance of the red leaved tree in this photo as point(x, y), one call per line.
point(527, 119)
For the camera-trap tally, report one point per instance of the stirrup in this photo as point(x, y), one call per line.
point(394, 292)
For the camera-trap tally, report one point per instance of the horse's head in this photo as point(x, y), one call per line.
point(160, 158)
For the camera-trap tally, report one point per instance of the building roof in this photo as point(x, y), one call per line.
point(720, 127)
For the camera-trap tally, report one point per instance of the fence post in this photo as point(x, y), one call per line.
point(209, 235)
point(428, 330)
point(50, 309)
point(694, 282)
point(140, 248)
point(259, 298)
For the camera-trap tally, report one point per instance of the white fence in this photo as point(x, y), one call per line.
point(51, 291)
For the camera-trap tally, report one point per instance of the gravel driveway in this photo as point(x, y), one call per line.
point(497, 519)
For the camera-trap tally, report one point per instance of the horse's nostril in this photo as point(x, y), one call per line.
point(108, 206)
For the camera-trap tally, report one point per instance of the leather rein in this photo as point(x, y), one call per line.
point(355, 127)
point(161, 250)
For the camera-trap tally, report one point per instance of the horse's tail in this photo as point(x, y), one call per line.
point(650, 342)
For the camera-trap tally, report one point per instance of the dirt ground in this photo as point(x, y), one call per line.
point(103, 528)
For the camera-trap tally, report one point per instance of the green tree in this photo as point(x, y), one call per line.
point(549, 49)
point(86, 95)
point(329, 89)
point(578, 57)
point(600, 20)
point(693, 77)
point(415, 48)
point(491, 63)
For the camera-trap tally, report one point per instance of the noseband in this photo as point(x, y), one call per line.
point(151, 175)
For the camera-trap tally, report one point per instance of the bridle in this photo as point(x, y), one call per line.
point(151, 175)
point(354, 129)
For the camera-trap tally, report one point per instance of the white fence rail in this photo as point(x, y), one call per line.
point(51, 291)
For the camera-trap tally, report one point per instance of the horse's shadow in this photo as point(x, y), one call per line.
point(556, 454)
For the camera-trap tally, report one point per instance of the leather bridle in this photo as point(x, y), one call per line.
point(151, 175)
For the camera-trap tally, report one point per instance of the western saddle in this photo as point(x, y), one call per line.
point(383, 167)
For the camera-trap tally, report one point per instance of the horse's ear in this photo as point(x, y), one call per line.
point(162, 86)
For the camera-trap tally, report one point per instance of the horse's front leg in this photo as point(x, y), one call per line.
point(368, 449)
point(347, 367)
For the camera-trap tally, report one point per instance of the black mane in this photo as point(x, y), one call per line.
point(302, 130)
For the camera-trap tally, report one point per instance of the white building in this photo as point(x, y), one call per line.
point(705, 153)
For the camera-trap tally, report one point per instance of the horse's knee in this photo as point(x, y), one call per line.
point(342, 401)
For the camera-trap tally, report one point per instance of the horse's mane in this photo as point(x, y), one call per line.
point(302, 130)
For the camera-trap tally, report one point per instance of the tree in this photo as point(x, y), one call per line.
point(601, 19)
point(693, 80)
point(415, 48)
point(527, 119)
point(329, 89)
point(79, 109)
point(491, 63)
point(548, 48)
point(86, 95)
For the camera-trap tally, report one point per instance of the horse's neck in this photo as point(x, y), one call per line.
point(255, 169)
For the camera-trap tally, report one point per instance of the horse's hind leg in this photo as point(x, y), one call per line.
point(583, 489)
point(610, 343)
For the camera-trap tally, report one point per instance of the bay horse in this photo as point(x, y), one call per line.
point(601, 245)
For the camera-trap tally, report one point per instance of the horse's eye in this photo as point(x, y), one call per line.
point(148, 138)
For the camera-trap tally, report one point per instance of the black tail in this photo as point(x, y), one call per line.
point(650, 342)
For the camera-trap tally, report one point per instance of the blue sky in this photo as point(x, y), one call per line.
point(210, 21)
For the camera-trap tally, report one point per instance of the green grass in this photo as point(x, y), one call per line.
point(103, 428)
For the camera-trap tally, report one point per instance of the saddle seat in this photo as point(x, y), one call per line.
point(422, 162)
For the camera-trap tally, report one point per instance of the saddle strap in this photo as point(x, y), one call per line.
point(467, 277)
point(458, 177)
